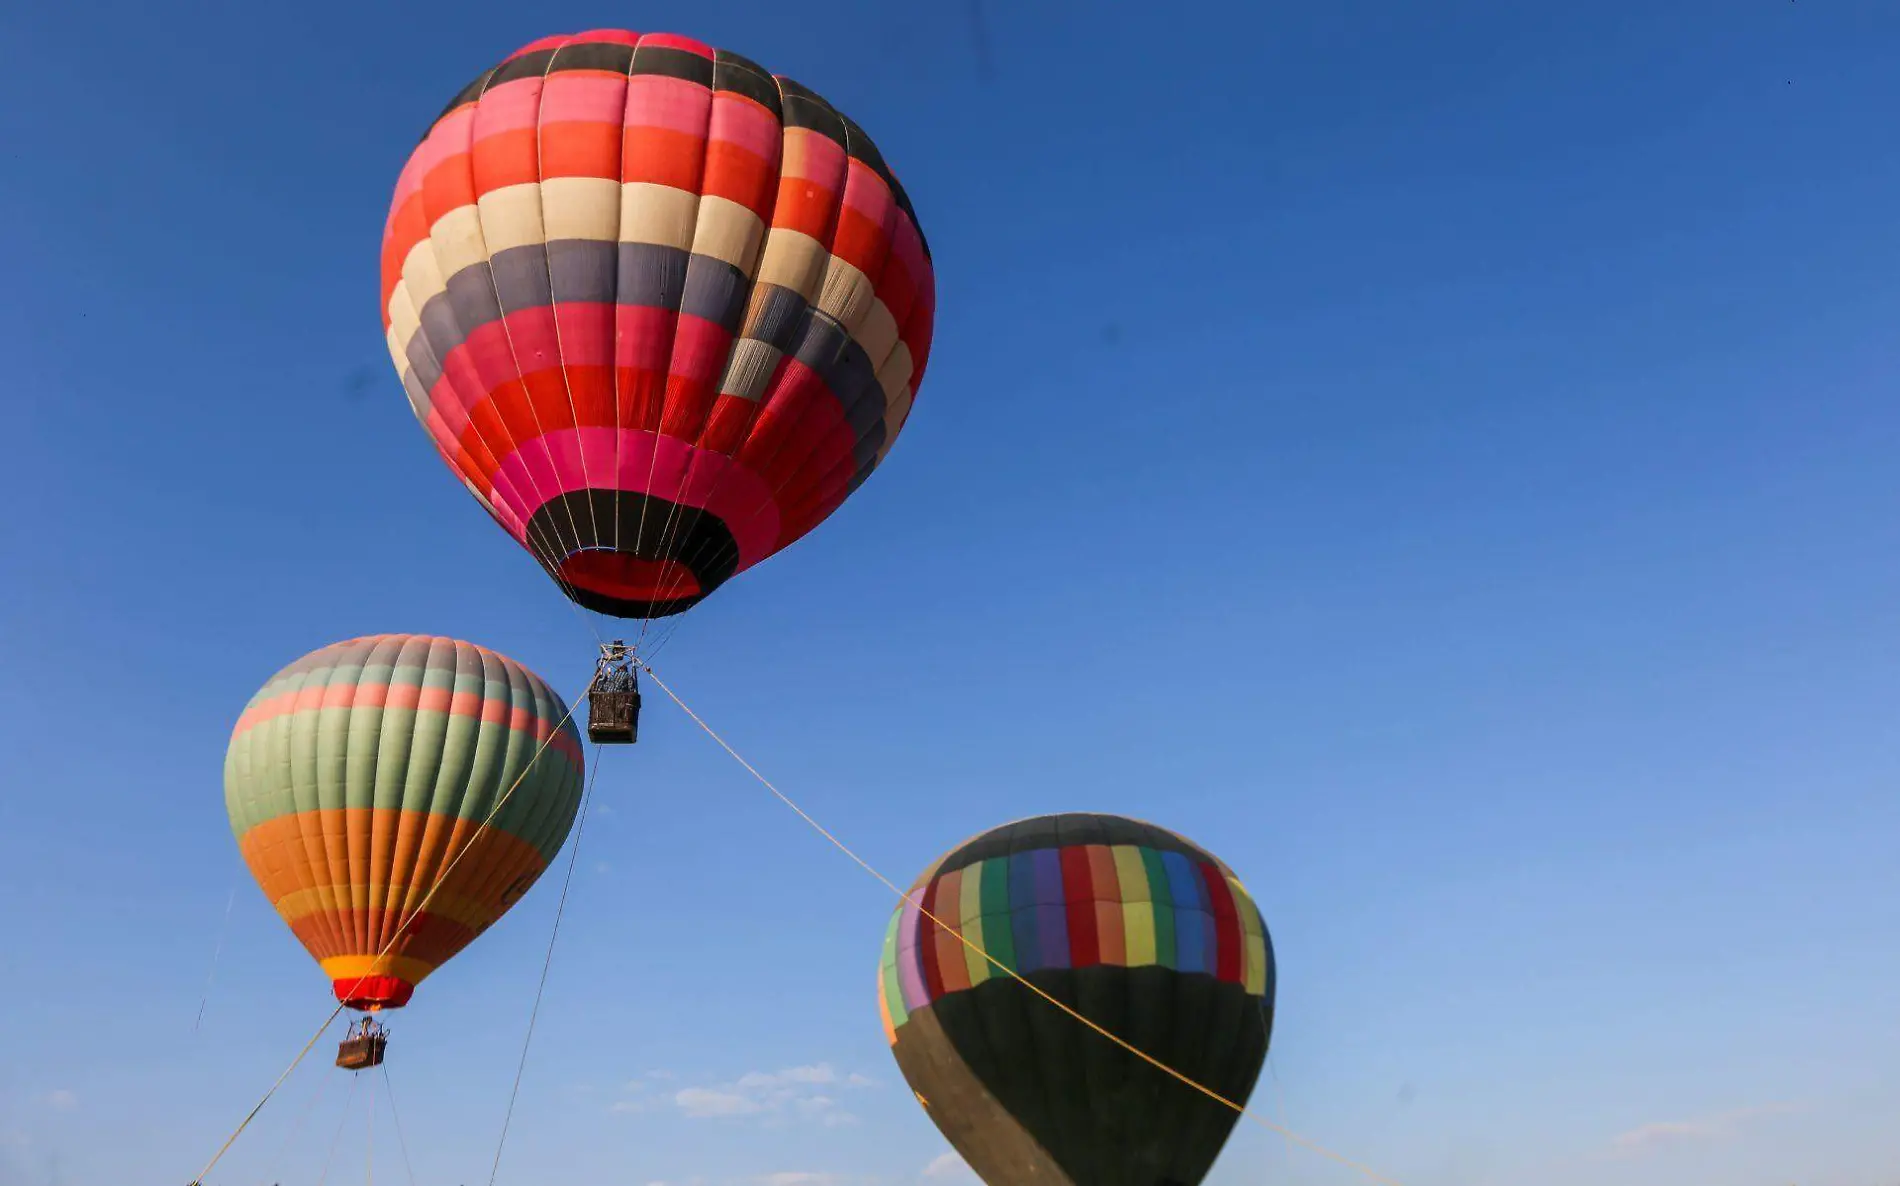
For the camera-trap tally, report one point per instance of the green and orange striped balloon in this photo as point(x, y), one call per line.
point(366, 772)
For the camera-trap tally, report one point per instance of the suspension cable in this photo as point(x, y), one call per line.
point(1367, 1171)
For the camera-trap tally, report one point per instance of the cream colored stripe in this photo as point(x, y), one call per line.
point(657, 214)
point(728, 231)
point(794, 260)
point(510, 217)
point(422, 274)
point(581, 208)
point(457, 241)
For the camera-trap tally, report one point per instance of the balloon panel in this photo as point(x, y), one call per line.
point(660, 311)
point(363, 773)
point(1135, 928)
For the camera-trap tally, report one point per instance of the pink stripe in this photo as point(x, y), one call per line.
point(649, 464)
point(656, 101)
point(865, 192)
point(408, 185)
point(908, 246)
point(448, 440)
point(553, 42)
point(644, 337)
point(481, 364)
point(398, 697)
point(740, 121)
point(587, 333)
point(585, 98)
point(446, 139)
point(700, 350)
point(822, 159)
point(610, 36)
point(434, 699)
point(508, 108)
point(674, 41)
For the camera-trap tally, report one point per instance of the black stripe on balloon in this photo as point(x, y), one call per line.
point(1052, 831)
point(570, 523)
point(1104, 1116)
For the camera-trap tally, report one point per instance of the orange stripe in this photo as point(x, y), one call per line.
point(502, 159)
point(581, 149)
point(312, 850)
point(947, 904)
point(663, 157)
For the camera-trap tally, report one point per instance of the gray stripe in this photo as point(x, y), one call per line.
point(584, 271)
point(417, 391)
point(846, 369)
point(421, 353)
point(775, 315)
point(471, 303)
point(715, 291)
point(521, 278)
point(650, 275)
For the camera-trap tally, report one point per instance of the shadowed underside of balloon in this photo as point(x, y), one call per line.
point(1029, 1096)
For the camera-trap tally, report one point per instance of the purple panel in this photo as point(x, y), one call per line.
point(1052, 933)
point(910, 963)
point(1048, 865)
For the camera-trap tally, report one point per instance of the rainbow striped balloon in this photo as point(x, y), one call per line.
point(367, 771)
point(1135, 928)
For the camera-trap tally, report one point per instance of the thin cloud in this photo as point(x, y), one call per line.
point(62, 1100)
point(807, 1094)
point(1719, 1126)
point(947, 1166)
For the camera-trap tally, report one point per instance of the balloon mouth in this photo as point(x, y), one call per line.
point(371, 994)
point(622, 576)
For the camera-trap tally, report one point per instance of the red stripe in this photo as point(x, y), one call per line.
point(1078, 894)
point(1230, 957)
point(927, 932)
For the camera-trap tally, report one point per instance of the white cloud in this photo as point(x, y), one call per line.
point(64, 1099)
point(701, 1102)
point(805, 1093)
point(947, 1165)
point(1719, 1126)
point(797, 1178)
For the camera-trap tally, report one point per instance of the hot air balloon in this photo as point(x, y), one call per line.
point(366, 773)
point(659, 310)
point(1133, 927)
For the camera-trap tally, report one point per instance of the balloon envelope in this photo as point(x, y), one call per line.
point(1138, 930)
point(660, 310)
point(363, 773)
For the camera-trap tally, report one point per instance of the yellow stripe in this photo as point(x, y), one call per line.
point(1256, 965)
point(971, 908)
point(1133, 875)
point(348, 899)
point(1138, 931)
point(349, 967)
point(1250, 920)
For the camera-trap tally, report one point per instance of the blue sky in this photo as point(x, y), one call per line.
point(1438, 456)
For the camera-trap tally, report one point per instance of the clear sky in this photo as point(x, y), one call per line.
point(1439, 456)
